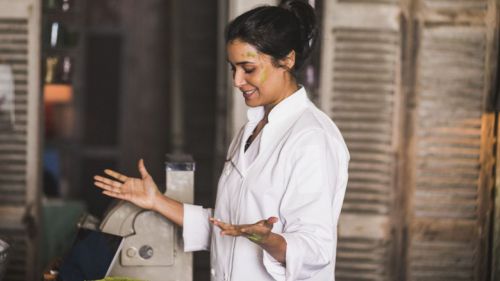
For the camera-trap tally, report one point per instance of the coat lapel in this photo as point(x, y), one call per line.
point(235, 153)
point(281, 119)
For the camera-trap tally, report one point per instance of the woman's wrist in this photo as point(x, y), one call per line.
point(275, 245)
point(168, 207)
point(156, 201)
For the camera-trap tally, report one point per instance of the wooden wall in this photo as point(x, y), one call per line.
point(409, 83)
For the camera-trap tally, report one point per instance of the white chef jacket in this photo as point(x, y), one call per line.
point(298, 176)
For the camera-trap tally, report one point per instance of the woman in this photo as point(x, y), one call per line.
point(283, 184)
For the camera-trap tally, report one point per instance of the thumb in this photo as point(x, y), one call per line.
point(270, 221)
point(142, 169)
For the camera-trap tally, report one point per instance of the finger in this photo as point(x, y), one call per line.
point(245, 227)
point(107, 181)
point(221, 224)
point(215, 222)
point(252, 229)
point(227, 229)
point(116, 175)
point(106, 187)
point(142, 169)
point(231, 232)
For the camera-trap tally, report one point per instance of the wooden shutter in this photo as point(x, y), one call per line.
point(360, 90)
point(451, 144)
point(19, 142)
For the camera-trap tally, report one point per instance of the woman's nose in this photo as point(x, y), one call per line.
point(238, 79)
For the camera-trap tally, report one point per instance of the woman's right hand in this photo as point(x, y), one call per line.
point(142, 192)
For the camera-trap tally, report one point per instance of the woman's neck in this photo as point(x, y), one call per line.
point(267, 109)
point(289, 90)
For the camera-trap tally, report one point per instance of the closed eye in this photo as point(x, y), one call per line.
point(248, 71)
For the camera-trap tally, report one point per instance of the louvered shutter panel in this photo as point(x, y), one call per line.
point(360, 90)
point(19, 141)
point(452, 142)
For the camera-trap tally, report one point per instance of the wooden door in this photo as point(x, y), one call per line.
point(361, 91)
point(409, 85)
point(451, 148)
point(20, 136)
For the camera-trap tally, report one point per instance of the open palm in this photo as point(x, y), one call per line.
point(257, 232)
point(139, 191)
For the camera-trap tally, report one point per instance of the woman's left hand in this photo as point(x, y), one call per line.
point(258, 232)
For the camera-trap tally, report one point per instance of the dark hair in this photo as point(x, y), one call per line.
point(276, 31)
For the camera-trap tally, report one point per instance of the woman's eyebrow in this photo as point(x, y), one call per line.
point(240, 62)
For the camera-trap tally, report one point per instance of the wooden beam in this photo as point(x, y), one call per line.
point(486, 184)
point(495, 241)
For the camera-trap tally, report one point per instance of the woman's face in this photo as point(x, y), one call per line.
point(260, 82)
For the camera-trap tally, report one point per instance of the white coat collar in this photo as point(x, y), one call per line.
point(278, 123)
point(289, 106)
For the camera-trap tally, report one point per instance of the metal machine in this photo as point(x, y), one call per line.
point(152, 248)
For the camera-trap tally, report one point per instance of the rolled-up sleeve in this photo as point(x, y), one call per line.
point(197, 229)
point(307, 210)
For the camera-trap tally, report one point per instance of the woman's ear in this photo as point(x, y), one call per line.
point(288, 62)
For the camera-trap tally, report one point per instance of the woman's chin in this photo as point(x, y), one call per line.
point(252, 103)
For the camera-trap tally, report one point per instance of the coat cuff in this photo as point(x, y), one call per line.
point(196, 231)
point(274, 267)
point(295, 268)
point(294, 256)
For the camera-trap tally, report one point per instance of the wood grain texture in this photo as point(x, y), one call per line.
point(452, 137)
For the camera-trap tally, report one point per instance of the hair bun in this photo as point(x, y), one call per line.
point(306, 19)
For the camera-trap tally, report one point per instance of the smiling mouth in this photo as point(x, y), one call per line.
point(248, 94)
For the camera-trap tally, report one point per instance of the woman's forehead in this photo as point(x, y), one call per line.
point(237, 47)
point(238, 51)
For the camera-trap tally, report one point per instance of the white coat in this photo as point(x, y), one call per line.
point(299, 176)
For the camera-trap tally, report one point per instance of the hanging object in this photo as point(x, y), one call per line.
point(6, 95)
